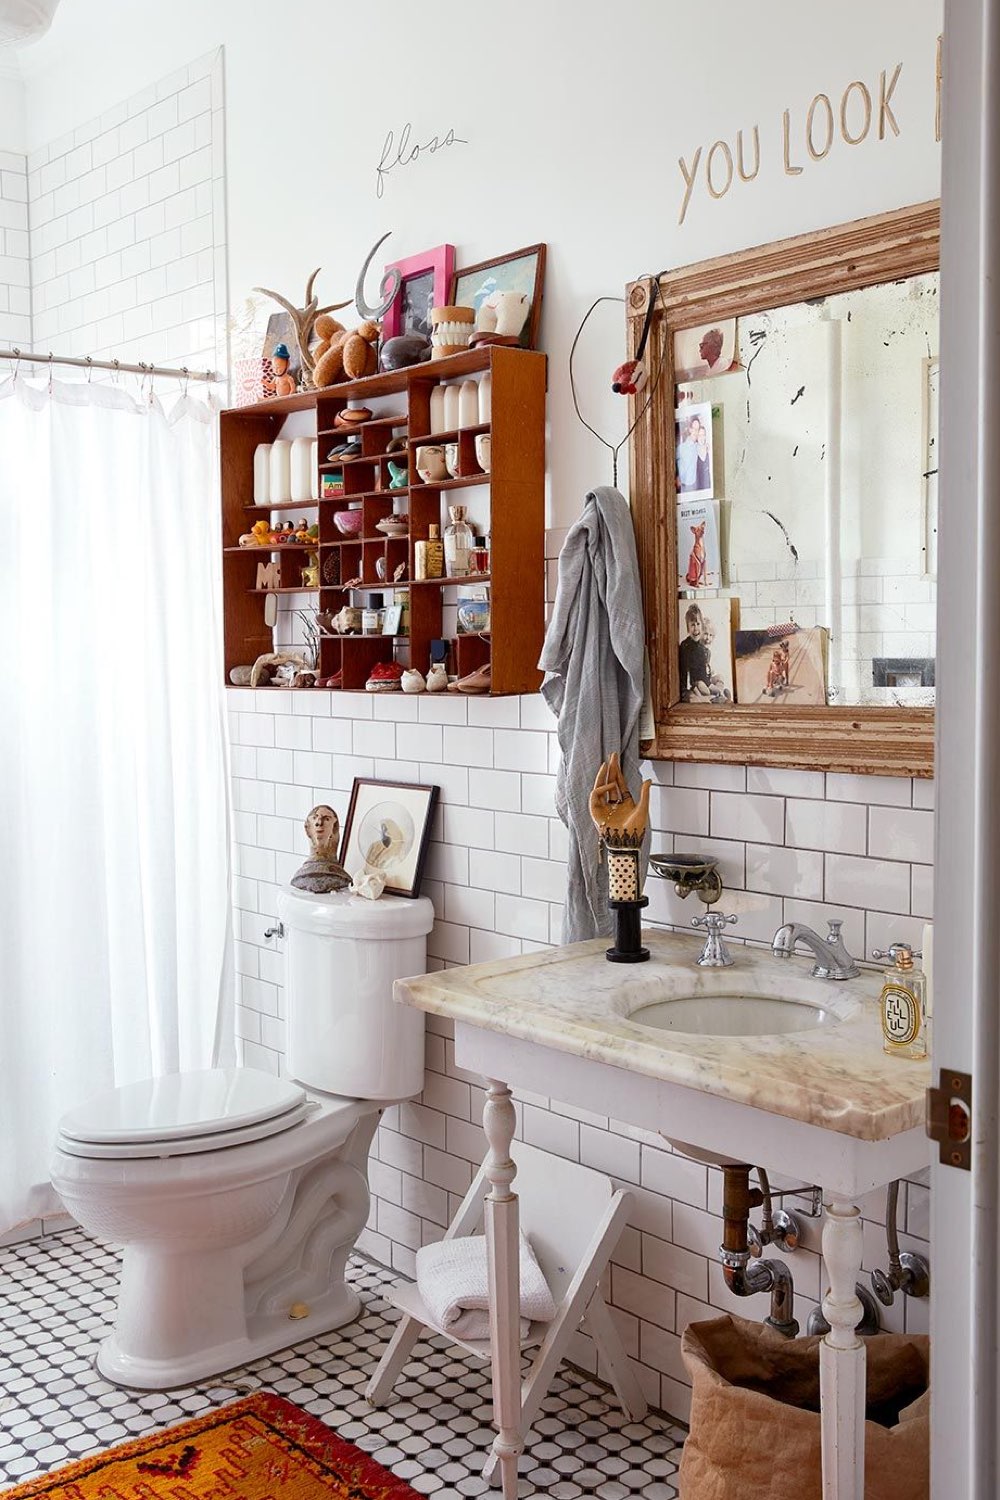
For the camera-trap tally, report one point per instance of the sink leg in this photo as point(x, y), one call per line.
point(842, 1357)
point(503, 1261)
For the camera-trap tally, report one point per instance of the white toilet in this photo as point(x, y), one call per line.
point(238, 1196)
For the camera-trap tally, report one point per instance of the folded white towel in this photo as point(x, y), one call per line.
point(453, 1286)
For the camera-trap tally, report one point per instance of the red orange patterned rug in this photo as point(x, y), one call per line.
point(262, 1448)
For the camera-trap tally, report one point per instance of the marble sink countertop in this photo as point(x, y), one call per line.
point(834, 1075)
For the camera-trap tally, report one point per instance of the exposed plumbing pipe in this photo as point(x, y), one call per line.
point(743, 1278)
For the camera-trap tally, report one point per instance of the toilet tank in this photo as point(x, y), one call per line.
point(345, 1033)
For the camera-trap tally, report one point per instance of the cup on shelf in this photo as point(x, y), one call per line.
point(438, 423)
point(485, 399)
point(280, 472)
point(301, 469)
point(483, 451)
point(451, 459)
point(431, 464)
point(473, 616)
point(262, 474)
point(452, 398)
point(468, 404)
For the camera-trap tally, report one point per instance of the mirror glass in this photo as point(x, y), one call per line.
point(807, 501)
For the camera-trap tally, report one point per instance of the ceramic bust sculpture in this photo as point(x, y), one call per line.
point(321, 873)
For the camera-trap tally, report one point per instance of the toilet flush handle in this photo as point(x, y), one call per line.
point(277, 931)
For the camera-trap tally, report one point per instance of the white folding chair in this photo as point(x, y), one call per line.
point(573, 1217)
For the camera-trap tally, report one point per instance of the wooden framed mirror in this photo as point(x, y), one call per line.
point(814, 452)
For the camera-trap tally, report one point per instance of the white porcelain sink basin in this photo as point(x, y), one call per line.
point(733, 1015)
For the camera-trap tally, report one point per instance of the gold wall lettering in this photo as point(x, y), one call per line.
point(859, 112)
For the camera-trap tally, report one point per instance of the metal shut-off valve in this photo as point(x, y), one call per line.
point(909, 1272)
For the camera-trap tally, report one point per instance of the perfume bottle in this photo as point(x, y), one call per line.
point(903, 1003)
point(458, 544)
point(428, 557)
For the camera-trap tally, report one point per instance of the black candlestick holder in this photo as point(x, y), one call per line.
point(628, 947)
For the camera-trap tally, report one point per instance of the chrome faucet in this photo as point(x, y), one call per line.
point(832, 958)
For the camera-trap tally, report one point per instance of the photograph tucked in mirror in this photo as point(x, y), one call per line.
point(807, 501)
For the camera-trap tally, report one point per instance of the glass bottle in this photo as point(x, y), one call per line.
point(458, 544)
point(903, 1004)
point(428, 556)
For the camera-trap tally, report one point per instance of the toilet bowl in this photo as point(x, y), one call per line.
point(238, 1196)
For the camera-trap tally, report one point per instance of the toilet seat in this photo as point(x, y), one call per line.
point(184, 1113)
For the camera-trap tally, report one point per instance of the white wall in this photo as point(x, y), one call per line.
point(575, 119)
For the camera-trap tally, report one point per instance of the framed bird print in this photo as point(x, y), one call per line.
point(387, 831)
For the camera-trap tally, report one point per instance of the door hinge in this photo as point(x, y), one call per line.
point(949, 1118)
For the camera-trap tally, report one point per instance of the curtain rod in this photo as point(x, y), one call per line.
point(116, 366)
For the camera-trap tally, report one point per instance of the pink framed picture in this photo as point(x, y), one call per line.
point(425, 279)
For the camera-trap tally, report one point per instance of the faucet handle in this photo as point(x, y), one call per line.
point(714, 921)
point(894, 950)
point(715, 954)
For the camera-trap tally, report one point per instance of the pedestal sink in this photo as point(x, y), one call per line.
point(760, 1063)
point(733, 1015)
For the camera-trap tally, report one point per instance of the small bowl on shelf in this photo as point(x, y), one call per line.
point(349, 522)
point(394, 527)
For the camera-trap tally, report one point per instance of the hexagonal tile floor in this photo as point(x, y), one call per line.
point(56, 1299)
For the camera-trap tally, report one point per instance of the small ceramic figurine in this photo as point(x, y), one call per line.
point(322, 873)
point(437, 678)
point(284, 381)
point(412, 681)
point(397, 475)
point(369, 884)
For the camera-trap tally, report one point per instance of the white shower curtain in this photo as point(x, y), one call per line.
point(114, 876)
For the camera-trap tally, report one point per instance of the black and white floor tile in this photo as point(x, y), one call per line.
point(57, 1298)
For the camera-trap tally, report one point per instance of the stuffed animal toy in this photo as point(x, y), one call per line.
point(344, 354)
point(258, 537)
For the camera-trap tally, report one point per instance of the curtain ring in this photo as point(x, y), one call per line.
point(51, 357)
point(90, 368)
point(17, 364)
point(114, 371)
point(184, 388)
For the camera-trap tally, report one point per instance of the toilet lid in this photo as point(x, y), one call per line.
point(185, 1107)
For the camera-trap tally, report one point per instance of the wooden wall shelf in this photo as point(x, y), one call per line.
point(515, 519)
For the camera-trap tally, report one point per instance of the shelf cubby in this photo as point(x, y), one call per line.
point(508, 502)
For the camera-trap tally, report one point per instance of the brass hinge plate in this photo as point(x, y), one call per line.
point(949, 1118)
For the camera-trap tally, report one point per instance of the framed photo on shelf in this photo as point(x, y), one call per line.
point(425, 279)
point(520, 271)
point(387, 831)
point(392, 619)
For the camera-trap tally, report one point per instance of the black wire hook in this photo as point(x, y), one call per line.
point(615, 448)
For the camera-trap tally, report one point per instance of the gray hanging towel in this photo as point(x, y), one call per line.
point(593, 659)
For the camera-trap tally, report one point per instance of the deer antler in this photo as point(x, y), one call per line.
point(303, 318)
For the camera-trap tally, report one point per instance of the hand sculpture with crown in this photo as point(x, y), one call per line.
point(621, 825)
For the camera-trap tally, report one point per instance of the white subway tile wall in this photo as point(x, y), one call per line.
point(15, 265)
point(128, 253)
